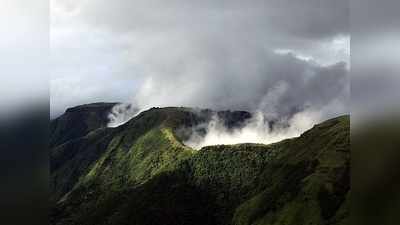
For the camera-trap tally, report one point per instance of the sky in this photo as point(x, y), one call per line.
point(23, 61)
point(375, 59)
point(277, 57)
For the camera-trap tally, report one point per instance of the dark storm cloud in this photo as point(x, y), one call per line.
point(275, 56)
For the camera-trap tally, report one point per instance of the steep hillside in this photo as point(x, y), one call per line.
point(309, 184)
point(141, 173)
point(145, 145)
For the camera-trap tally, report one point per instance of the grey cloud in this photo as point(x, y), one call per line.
point(217, 54)
point(246, 84)
point(303, 19)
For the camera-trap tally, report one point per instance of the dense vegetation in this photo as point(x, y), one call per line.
point(141, 173)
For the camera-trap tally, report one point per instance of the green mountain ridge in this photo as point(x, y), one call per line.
point(78, 121)
point(142, 173)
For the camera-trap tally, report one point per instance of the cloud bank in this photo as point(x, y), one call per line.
point(277, 58)
point(255, 130)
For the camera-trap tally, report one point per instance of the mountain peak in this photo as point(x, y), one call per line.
point(78, 121)
point(97, 106)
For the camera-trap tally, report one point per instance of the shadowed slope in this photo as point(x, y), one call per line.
point(76, 122)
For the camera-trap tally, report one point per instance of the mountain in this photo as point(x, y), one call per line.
point(78, 121)
point(142, 173)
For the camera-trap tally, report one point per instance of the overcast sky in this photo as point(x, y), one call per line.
point(24, 55)
point(275, 56)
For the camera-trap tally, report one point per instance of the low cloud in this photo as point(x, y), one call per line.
point(260, 128)
point(121, 113)
point(279, 87)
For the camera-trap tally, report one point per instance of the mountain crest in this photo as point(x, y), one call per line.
point(142, 173)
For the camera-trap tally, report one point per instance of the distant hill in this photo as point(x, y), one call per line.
point(142, 173)
point(78, 121)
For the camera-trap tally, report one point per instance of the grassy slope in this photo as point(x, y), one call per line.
point(144, 175)
point(308, 185)
point(88, 176)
